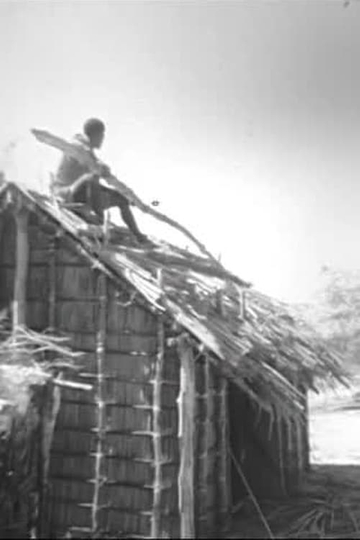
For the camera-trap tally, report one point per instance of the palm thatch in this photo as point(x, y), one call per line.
point(253, 339)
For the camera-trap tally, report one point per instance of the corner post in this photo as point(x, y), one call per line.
point(21, 216)
point(186, 407)
point(156, 411)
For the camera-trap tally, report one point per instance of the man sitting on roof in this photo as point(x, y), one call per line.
point(74, 182)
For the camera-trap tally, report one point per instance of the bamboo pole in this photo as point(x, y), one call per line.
point(100, 402)
point(156, 409)
point(21, 269)
point(186, 404)
point(224, 463)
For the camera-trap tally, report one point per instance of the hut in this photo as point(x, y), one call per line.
point(199, 381)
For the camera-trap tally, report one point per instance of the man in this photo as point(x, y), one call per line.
point(74, 182)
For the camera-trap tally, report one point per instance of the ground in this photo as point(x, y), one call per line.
point(334, 426)
point(329, 506)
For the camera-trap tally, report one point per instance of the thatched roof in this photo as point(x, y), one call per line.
point(255, 340)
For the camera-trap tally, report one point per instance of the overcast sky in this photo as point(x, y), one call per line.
point(242, 118)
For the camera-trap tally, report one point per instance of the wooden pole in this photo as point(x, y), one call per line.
point(100, 403)
point(52, 282)
point(224, 462)
point(279, 425)
point(299, 447)
point(204, 458)
point(21, 269)
point(186, 403)
point(306, 432)
point(157, 383)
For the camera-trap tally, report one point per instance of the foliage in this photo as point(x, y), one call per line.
point(335, 313)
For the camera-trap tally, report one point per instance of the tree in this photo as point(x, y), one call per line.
point(335, 313)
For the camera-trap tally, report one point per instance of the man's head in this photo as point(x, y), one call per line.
point(95, 131)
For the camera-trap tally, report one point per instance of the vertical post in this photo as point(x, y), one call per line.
point(21, 270)
point(52, 394)
point(306, 432)
point(279, 425)
point(100, 403)
point(299, 447)
point(224, 461)
point(204, 457)
point(186, 403)
point(52, 282)
point(156, 409)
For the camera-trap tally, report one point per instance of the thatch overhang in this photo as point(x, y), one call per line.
point(256, 341)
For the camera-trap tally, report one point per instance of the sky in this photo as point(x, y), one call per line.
point(242, 118)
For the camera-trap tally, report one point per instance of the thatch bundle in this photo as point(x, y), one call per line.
point(29, 402)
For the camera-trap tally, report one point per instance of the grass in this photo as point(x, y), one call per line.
point(327, 506)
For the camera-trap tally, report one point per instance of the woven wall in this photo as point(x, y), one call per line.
point(103, 469)
point(211, 451)
point(115, 456)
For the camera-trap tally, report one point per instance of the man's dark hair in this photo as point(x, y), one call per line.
point(93, 126)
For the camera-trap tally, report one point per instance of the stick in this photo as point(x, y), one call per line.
point(224, 465)
point(251, 494)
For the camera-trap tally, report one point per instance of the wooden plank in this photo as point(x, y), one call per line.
point(186, 439)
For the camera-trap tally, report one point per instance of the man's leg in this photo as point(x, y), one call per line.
point(112, 198)
point(90, 193)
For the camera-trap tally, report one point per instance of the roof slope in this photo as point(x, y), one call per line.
point(255, 340)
